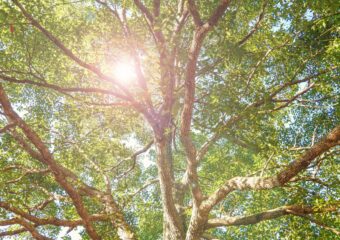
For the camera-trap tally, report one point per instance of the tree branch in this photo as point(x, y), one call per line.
point(194, 230)
point(50, 221)
point(194, 13)
point(12, 232)
point(256, 26)
point(222, 124)
point(266, 215)
point(68, 52)
point(156, 7)
point(284, 176)
point(288, 101)
point(29, 227)
point(46, 158)
point(7, 127)
point(145, 11)
point(218, 13)
point(189, 95)
point(63, 89)
point(321, 224)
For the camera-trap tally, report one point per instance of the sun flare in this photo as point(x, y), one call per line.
point(124, 72)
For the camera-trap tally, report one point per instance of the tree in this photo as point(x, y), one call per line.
point(220, 119)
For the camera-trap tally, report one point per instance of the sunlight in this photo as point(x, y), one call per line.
point(124, 72)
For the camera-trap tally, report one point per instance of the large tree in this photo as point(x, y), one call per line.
point(169, 119)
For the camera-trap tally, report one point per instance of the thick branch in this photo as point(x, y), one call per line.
point(194, 231)
point(267, 215)
point(243, 183)
point(48, 159)
point(156, 7)
point(29, 227)
point(218, 13)
point(194, 13)
point(50, 221)
point(12, 232)
point(145, 11)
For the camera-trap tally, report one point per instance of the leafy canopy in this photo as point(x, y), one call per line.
point(266, 89)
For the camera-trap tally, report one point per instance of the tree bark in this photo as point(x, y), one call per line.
point(173, 227)
point(124, 231)
point(197, 224)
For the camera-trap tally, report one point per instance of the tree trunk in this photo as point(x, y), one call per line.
point(197, 224)
point(117, 218)
point(173, 227)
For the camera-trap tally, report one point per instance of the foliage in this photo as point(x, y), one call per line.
point(246, 95)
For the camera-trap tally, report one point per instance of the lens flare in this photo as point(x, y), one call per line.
point(124, 72)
